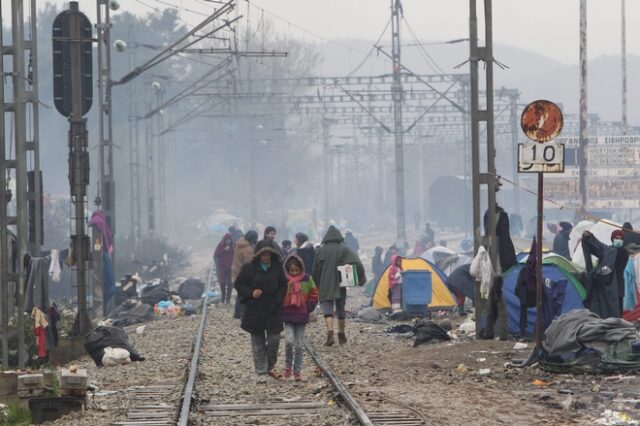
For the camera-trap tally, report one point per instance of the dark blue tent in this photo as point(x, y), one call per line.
point(568, 293)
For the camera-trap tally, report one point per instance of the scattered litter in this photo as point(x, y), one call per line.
point(565, 391)
point(619, 378)
point(461, 368)
point(567, 403)
point(484, 371)
point(481, 359)
point(115, 356)
point(520, 345)
point(140, 330)
point(595, 388)
point(611, 417)
point(469, 326)
point(541, 383)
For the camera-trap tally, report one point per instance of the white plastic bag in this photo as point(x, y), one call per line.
point(115, 356)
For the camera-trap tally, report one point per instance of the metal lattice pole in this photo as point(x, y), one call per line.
point(584, 119)
point(396, 89)
point(623, 28)
point(107, 183)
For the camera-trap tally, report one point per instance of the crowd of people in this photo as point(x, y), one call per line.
point(279, 287)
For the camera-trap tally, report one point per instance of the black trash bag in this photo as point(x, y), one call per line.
point(191, 288)
point(427, 331)
point(400, 328)
point(104, 336)
point(131, 312)
point(399, 316)
point(154, 293)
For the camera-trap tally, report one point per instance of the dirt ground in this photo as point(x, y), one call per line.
point(443, 380)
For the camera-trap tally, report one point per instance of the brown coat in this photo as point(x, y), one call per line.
point(242, 254)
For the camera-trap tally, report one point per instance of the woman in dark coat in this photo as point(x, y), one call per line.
point(223, 258)
point(262, 285)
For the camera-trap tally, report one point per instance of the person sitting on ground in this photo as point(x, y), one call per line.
point(262, 286)
point(561, 240)
point(300, 300)
point(395, 283)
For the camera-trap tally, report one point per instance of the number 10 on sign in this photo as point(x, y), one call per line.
point(541, 157)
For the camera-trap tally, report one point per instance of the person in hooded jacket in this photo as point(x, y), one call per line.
point(561, 240)
point(395, 283)
point(300, 300)
point(262, 286)
point(377, 266)
point(304, 249)
point(223, 258)
point(243, 254)
point(329, 256)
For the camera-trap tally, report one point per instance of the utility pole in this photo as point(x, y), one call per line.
point(380, 132)
point(584, 118)
point(326, 173)
point(513, 118)
point(489, 178)
point(5, 305)
point(396, 89)
point(150, 166)
point(25, 166)
point(134, 153)
point(159, 136)
point(107, 184)
point(623, 28)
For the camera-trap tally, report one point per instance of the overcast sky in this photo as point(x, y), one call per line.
point(548, 27)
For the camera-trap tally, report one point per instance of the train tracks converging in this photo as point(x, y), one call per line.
point(220, 389)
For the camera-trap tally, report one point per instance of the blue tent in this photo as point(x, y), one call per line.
point(574, 294)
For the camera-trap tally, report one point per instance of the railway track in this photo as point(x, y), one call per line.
point(220, 389)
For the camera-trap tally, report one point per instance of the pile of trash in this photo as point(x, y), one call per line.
point(138, 302)
point(582, 342)
point(110, 346)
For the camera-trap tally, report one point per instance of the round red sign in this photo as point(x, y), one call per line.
point(541, 121)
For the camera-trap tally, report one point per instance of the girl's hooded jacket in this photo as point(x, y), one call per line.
point(305, 291)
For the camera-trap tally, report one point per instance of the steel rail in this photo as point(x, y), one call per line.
point(187, 395)
point(339, 386)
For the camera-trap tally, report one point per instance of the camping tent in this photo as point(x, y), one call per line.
point(447, 260)
point(555, 268)
point(441, 297)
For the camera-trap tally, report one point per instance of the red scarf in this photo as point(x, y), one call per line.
point(294, 283)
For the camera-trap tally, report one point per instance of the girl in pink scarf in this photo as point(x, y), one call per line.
point(395, 283)
point(300, 300)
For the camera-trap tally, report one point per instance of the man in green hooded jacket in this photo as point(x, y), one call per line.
point(329, 256)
